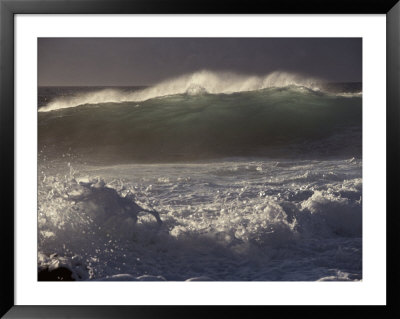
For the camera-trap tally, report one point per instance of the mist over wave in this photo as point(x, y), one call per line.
point(195, 83)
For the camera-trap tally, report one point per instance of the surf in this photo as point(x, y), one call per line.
point(248, 217)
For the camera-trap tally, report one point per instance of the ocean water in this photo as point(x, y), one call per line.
point(210, 176)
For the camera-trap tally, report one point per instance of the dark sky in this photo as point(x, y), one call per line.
point(146, 61)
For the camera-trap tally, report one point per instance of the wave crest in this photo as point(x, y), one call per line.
point(194, 83)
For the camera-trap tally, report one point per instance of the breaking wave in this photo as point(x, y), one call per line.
point(195, 83)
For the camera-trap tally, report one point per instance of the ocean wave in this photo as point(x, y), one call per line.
point(271, 122)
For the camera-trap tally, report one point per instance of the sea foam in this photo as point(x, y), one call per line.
point(266, 225)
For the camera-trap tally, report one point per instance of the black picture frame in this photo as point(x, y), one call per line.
point(8, 8)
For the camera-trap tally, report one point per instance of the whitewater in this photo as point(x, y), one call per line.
point(205, 177)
